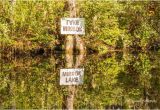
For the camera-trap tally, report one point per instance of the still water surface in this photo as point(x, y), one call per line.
point(113, 80)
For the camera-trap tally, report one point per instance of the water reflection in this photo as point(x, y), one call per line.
point(113, 80)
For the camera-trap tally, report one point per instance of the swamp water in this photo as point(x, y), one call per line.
point(114, 80)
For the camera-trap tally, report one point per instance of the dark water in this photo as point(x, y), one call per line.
point(114, 80)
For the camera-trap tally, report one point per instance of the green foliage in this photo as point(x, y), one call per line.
point(30, 22)
point(107, 81)
point(117, 79)
point(37, 23)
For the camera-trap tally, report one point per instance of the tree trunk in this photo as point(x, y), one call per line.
point(69, 57)
point(69, 49)
point(69, 44)
point(79, 43)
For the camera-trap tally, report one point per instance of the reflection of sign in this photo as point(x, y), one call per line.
point(71, 76)
point(72, 26)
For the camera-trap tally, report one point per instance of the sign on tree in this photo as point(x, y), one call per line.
point(71, 76)
point(72, 26)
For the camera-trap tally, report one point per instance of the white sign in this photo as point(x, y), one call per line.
point(72, 26)
point(71, 76)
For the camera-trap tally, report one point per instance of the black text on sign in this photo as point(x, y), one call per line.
point(72, 26)
point(71, 76)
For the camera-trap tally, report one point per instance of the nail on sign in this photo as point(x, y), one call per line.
point(72, 26)
point(71, 76)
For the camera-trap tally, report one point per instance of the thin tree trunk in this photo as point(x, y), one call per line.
point(69, 44)
point(13, 3)
point(80, 45)
point(69, 49)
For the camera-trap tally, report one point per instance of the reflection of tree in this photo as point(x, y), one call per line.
point(100, 88)
point(69, 98)
point(33, 82)
point(136, 81)
point(119, 56)
point(155, 80)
